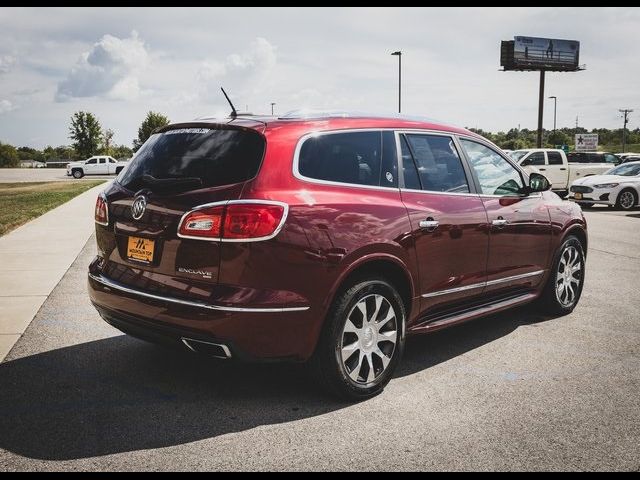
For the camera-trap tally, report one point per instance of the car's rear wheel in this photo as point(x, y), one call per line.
point(626, 199)
point(362, 341)
point(77, 173)
point(566, 279)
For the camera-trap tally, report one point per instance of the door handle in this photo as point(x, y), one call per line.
point(429, 224)
point(563, 169)
point(542, 169)
point(499, 222)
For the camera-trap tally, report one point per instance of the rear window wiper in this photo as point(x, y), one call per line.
point(170, 183)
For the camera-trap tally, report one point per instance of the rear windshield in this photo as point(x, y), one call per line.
point(216, 157)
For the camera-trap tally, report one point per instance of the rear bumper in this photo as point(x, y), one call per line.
point(251, 334)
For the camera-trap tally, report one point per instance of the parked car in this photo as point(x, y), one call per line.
point(561, 169)
point(619, 187)
point(96, 165)
point(326, 239)
point(623, 156)
point(630, 158)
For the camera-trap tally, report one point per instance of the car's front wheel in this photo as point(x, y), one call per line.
point(626, 199)
point(566, 279)
point(362, 341)
point(78, 173)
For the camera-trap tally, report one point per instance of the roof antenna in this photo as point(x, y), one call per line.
point(234, 114)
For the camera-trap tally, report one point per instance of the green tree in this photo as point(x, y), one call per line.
point(28, 153)
point(107, 141)
point(86, 132)
point(8, 156)
point(558, 138)
point(152, 121)
point(121, 152)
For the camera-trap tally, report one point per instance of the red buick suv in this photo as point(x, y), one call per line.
point(326, 238)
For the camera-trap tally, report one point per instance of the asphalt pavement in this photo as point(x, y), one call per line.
point(20, 175)
point(513, 391)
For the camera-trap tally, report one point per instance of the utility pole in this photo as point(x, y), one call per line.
point(540, 109)
point(625, 113)
point(272, 104)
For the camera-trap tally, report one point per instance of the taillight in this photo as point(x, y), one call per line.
point(236, 221)
point(203, 223)
point(101, 214)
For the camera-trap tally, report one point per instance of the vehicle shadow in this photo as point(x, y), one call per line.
point(119, 394)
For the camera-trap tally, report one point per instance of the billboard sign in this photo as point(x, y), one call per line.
point(586, 142)
point(534, 53)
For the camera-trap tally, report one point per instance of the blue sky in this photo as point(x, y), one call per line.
point(121, 62)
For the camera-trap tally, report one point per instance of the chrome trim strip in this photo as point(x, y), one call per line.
point(515, 277)
point(225, 349)
point(232, 202)
point(454, 290)
point(117, 286)
point(431, 192)
point(483, 284)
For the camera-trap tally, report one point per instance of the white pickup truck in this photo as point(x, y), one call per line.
point(553, 164)
point(96, 165)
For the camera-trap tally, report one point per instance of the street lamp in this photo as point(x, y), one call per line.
point(272, 104)
point(555, 104)
point(399, 55)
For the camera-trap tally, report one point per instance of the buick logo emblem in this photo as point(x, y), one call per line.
point(138, 207)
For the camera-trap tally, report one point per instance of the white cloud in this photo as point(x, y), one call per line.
point(5, 106)
point(110, 70)
point(6, 63)
point(243, 74)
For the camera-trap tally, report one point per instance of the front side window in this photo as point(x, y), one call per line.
point(555, 158)
point(350, 157)
point(610, 158)
point(91, 162)
point(495, 174)
point(536, 159)
point(438, 165)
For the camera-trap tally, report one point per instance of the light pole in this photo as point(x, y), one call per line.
point(625, 113)
point(555, 104)
point(272, 104)
point(399, 55)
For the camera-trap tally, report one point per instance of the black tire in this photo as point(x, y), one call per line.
point(327, 365)
point(77, 173)
point(553, 302)
point(585, 205)
point(623, 203)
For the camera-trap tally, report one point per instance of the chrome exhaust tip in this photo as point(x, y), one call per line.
point(214, 350)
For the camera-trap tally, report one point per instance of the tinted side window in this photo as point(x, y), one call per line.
point(439, 166)
point(595, 158)
point(555, 158)
point(351, 157)
point(409, 169)
point(576, 157)
point(536, 158)
point(91, 162)
point(610, 158)
point(101, 161)
point(495, 174)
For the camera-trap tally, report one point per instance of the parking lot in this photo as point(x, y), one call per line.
point(511, 391)
point(12, 175)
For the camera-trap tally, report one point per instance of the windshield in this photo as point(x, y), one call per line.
point(518, 154)
point(214, 157)
point(626, 170)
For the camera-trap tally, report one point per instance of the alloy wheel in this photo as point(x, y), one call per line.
point(568, 276)
point(369, 339)
point(626, 200)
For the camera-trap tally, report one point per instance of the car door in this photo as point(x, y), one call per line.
point(448, 219)
point(519, 225)
point(91, 166)
point(103, 166)
point(111, 165)
point(556, 171)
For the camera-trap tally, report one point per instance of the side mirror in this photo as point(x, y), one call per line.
point(538, 183)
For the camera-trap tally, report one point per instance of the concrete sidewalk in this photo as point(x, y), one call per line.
point(33, 259)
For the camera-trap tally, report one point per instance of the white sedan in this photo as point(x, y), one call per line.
point(619, 187)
